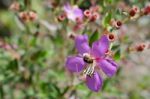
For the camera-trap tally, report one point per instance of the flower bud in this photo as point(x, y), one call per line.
point(61, 17)
point(32, 15)
point(78, 20)
point(140, 47)
point(109, 53)
point(94, 17)
point(72, 36)
point(134, 10)
point(23, 16)
point(111, 37)
point(77, 27)
point(146, 10)
point(15, 6)
point(87, 13)
point(118, 24)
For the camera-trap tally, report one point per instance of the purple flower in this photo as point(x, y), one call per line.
point(90, 60)
point(73, 12)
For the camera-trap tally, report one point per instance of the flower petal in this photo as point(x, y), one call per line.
point(81, 43)
point(78, 12)
point(73, 12)
point(67, 7)
point(109, 67)
point(95, 82)
point(69, 11)
point(100, 47)
point(75, 64)
point(112, 62)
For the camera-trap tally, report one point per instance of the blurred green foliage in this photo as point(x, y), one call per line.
point(32, 66)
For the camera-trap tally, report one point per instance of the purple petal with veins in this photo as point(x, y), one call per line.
point(75, 64)
point(108, 67)
point(95, 82)
point(81, 43)
point(100, 47)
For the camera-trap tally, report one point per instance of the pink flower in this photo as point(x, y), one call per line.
point(73, 13)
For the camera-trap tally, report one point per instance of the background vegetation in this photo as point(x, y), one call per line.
point(33, 53)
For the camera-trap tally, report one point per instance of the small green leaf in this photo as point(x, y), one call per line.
point(117, 55)
point(110, 1)
point(13, 65)
point(85, 5)
point(106, 20)
point(115, 47)
point(94, 37)
point(39, 54)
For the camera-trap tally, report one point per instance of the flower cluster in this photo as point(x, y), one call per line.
point(28, 16)
point(92, 13)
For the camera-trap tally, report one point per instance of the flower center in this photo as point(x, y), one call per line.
point(87, 58)
point(89, 70)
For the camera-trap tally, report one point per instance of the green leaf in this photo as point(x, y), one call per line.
point(117, 55)
point(94, 37)
point(110, 1)
point(39, 54)
point(115, 47)
point(106, 20)
point(85, 5)
point(13, 65)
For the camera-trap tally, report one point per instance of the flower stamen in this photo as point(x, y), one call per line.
point(89, 71)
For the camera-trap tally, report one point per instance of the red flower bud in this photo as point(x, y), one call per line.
point(32, 16)
point(109, 53)
point(72, 36)
point(61, 17)
point(78, 20)
point(77, 27)
point(23, 16)
point(111, 37)
point(94, 17)
point(140, 47)
point(87, 13)
point(118, 24)
point(147, 10)
point(15, 6)
point(132, 12)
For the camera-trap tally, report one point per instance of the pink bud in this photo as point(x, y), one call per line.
point(87, 13)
